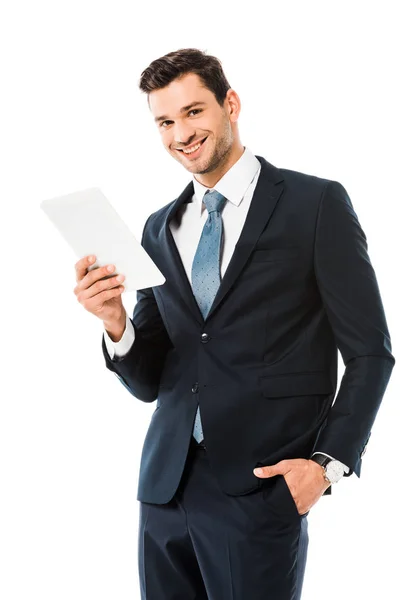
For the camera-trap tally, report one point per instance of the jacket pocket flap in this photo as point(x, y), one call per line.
point(296, 384)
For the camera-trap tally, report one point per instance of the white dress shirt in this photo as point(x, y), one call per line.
point(237, 185)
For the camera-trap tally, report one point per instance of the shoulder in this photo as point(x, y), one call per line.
point(322, 189)
point(307, 181)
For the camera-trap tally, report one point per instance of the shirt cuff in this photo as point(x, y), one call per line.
point(122, 347)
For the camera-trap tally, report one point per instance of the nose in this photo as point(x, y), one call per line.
point(184, 134)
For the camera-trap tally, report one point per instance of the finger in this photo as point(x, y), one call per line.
point(279, 468)
point(93, 276)
point(98, 300)
point(268, 471)
point(81, 267)
point(101, 273)
point(101, 285)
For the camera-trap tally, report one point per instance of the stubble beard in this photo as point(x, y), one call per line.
point(220, 154)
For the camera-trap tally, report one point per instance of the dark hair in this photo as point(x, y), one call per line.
point(162, 71)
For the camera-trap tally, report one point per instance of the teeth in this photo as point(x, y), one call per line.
point(193, 149)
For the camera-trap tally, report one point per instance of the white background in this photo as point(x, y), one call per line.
point(318, 83)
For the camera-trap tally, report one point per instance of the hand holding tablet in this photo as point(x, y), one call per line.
point(100, 294)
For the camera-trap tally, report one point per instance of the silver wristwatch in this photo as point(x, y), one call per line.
point(334, 469)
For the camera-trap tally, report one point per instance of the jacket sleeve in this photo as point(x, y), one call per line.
point(140, 369)
point(351, 298)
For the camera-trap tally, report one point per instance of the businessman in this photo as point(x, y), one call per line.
point(267, 277)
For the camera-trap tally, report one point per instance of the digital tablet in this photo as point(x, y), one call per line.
point(90, 225)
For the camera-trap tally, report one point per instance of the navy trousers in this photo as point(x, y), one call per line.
point(206, 545)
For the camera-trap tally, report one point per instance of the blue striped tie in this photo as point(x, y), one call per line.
point(206, 273)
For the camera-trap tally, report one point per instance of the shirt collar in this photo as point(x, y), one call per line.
point(233, 185)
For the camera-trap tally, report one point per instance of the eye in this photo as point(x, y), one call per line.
point(195, 110)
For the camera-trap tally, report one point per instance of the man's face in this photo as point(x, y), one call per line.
point(187, 113)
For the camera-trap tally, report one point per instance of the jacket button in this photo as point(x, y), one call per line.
point(205, 337)
point(195, 388)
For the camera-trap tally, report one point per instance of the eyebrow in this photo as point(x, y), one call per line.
point(183, 109)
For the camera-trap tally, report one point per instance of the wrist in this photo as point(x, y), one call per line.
point(116, 328)
point(322, 472)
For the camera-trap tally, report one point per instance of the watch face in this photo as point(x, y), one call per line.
point(334, 470)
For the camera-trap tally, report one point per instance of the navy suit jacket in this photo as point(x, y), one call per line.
point(263, 363)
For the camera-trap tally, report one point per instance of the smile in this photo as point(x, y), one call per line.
point(194, 150)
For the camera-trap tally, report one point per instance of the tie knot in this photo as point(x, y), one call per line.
point(214, 201)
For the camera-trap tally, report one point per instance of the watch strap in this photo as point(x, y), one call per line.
point(321, 459)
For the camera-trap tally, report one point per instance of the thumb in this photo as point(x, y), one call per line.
point(270, 470)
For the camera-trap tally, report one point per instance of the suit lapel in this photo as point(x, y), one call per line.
point(266, 195)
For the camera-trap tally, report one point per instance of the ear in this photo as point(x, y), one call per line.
point(234, 105)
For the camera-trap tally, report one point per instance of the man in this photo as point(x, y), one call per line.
point(267, 276)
